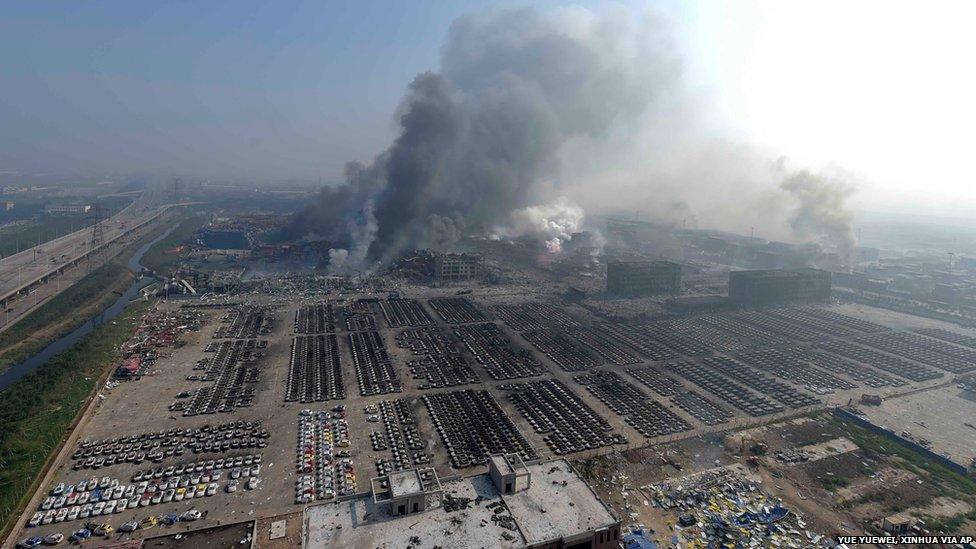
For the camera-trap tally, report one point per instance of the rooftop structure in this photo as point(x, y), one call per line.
point(509, 473)
point(770, 288)
point(556, 509)
point(633, 278)
point(409, 491)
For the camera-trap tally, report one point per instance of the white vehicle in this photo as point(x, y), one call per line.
point(133, 503)
point(73, 512)
point(253, 482)
point(53, 539)
point(36, 519)
point(48, 503)
point(231, 486)
point(84, 497)
point(121, 506)
point(98, 508)
point(61, 515)
point(48, 517)
point(191, 515)
point(86, 510)
point(110, 507)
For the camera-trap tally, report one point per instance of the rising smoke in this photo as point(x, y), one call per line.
point(553, 223)
point(822, 210)
point(529, 107)
point(480, 140)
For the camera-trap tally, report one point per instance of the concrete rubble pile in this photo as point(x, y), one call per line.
point(725, 509)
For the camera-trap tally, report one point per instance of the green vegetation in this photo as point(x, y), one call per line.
point(37, 412)
point(160, 258)
point(950, 525)
point(877, 446)
point(63, 313)
point(833, 482)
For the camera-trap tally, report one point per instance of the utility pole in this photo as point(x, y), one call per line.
point(97, 235)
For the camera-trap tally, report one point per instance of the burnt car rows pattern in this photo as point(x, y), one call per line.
point(315, 369)
point(649, 417)
point(438, 362)
point(568, 423)
point(473, 427)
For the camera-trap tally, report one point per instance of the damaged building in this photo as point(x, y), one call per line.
point(642, 277)
point(458, 267)
point(776, 287)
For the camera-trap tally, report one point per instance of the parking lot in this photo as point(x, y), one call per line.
point(440, 385)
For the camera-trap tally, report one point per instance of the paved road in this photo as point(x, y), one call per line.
point(32, 263)
point(22, 268)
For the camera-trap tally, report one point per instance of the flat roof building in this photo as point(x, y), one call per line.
point(549, 506)
point(641, 277)
point(776, 287)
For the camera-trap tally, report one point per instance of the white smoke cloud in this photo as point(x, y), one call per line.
point(554, 223)
point(337, 260)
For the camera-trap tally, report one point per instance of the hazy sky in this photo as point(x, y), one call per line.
point(293, 90)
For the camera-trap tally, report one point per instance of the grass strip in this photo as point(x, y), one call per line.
point(38, 411)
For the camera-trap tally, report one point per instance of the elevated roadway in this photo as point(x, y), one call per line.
point(35, 275)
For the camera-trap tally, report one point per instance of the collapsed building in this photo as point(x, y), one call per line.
point(775, 287)
point(641, 277)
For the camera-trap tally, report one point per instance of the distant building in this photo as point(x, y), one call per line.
point(7, 205)
point(636, 278)
point(772, 288)
point(224, 239)
point(67, 209)
point(458, 267)
point(865, 255)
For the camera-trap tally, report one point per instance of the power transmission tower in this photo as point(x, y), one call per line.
point(98, 232)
